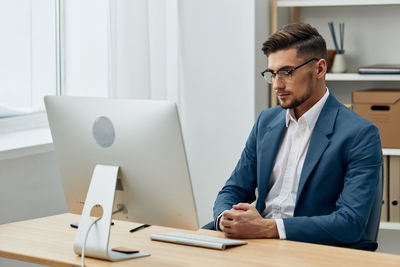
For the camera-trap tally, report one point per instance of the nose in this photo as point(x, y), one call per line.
point(278, 83)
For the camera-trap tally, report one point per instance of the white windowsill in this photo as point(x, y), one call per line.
point(25, 143)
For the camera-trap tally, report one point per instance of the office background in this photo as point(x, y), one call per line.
point(220, 91)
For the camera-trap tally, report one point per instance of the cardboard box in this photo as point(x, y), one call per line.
point(381, 107)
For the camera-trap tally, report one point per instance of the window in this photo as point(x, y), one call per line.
point(97, 48)
point(28, 56)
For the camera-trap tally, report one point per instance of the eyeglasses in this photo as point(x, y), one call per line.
point(283, 74)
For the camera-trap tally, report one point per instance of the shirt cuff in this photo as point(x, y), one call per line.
point(281, 228)
point(217, 222)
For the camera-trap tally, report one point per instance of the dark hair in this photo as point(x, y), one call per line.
point(303, 37)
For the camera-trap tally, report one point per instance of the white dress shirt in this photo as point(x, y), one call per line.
point(285, 176)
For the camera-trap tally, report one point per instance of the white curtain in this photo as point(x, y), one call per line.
point(121, 48)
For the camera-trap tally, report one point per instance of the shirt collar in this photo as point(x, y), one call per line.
point(311, 115)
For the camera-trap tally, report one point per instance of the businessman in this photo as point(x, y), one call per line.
point(312, 163)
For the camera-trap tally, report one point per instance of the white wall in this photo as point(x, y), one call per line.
point(218, 110)
point(30, 188)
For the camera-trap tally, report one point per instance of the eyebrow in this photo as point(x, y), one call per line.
point(282, 68)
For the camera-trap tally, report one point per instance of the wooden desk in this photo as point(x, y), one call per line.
point(49, 241)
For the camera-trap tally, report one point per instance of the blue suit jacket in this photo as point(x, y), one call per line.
point(338, 181)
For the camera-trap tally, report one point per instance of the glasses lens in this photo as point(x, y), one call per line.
point(284, 75)
point(268, 76)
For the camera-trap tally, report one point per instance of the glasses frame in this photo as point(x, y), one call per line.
point(282, 72)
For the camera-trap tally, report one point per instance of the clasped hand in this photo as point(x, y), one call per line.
point(244, 221)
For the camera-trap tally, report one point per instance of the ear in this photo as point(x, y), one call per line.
point(321, 68)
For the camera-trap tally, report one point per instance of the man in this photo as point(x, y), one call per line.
point(313, 163)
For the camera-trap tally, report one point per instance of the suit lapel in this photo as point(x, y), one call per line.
point(269, 149)
point(319, 141)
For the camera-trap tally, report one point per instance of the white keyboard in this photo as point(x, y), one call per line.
point(197, 240)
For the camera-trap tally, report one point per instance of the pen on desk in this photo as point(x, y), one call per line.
point(139, 227)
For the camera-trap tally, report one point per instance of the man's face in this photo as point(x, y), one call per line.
point(297, 91)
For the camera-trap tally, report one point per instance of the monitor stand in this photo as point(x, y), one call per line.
point(101, 193)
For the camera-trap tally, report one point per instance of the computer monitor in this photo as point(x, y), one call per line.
point(141, 137)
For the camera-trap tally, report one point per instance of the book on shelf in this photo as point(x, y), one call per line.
point(380, 69)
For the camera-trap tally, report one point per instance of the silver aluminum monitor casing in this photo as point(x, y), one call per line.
point(153, 184)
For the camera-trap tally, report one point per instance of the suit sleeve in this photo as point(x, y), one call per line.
point(241, 185)
point(348, 222)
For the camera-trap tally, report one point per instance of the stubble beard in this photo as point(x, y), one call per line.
point(295, 102)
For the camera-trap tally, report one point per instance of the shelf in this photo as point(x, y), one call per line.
point(361, 77)
point(320, 3)
point(389, 225)
point(391, 151)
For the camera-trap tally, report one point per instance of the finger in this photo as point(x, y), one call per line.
point(229, 215)
point(234, 214)
point(226, 213)
point(226, 223)
point(242, 206)
point(228, 230)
